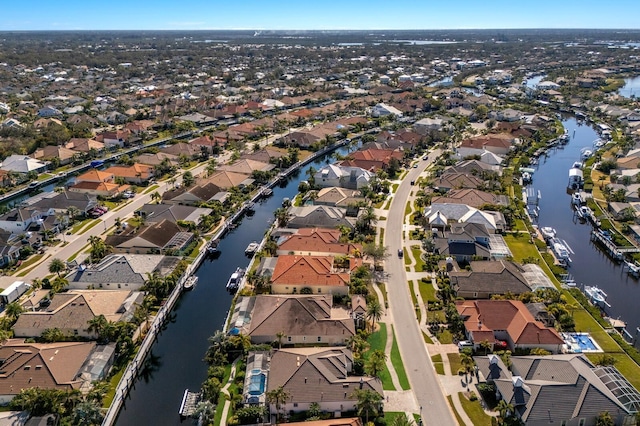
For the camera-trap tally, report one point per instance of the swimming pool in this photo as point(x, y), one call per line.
point(580, 342)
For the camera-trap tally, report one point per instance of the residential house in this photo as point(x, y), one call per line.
point(429, 125)
point(372, 159)
point(224, 179)
point(499, 144)
point(318, 375)
point(48, 153)
point(293, 273)
point(98, 189)
point(301, 139)
point(156, 159)
point(114, 139)
point(201, 191)
point(95, 175)
point(181, 148)
point(506, 324)
point(342, 176)
point(49, 111)
point(164, 236)
point(247, 167)
point(471, 197)
point(317, 242)
point(382, 110)
point(488, 278)
point(568, 389)
point(454, 180)
point(338, 197)
point(70, 312)
point(44, 365)
point(62, 201)
point(23, 164)
point(85, 145)
point(118, 271)
point(464, 242)
point(494, 221)
point(136, 174)
point(9, 248)
point(154, 213)
point(319, 216)
point(359, 310)
point(18, 221)
point(304, 319)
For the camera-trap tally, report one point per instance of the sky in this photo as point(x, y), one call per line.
point(28, 15)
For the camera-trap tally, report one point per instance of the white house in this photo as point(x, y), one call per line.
point(427, 125)
point(342, 176)
point(22, 164)
point(381, 110)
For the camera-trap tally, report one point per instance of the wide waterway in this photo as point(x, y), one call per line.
point(590, 265)
point(175, 362)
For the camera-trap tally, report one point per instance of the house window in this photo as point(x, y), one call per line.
point(304, 338)
point(563, 423)
point(319, 290)
point(582, 421)
point(295, 289)
point(288, 338)
point(295, 404)
point(475, 294)
point(319, 339)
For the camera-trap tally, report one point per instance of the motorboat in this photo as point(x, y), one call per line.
point(526, 177)
point(235, 279)
point(251, 207)
point(599, 143)
point(252, 248)
point(584, 212)
point(191, 282)
point(596, 295)
point(576, 199)
point(547, 232)
point(267, 192)
point(578, 165)
point(561, 251)
point(586, 154)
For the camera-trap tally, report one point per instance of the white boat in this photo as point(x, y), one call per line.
point(234, 279)
point(586, 154)
point(190, 282)
point(561, 251)
point(526, 177)
point(576, 199)
point(584, 212)
point(578, 165)
point(267, 192)
point(599, 143)
point(252, 248)
point(633, 269)
point(547, 232)
point(596, 295)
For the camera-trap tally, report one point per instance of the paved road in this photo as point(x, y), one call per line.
point(77, 242)
point(417, 362)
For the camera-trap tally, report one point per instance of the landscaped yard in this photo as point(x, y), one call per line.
point(417, 255)
point(454, 362)
point(453, 408)
point(437, 363)
point(475, 411)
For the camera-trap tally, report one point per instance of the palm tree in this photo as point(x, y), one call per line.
point(98, 248)
point(187, 179)
point(280, 335)
point(505, 409)
point(98, 325)
point(278, 397)
point(56, 266)
point(205, 411)
point(467, 363)
point(73, 211)
point(13, 310)
point(357, 344)
point(374, 313)
point(58, 284)
point(376, 363)
point(369, 403)
point(211, 166)
point(155, 196)
point(402, 421)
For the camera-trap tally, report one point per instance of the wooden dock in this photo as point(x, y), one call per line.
point(189, 403)
point(616, 252)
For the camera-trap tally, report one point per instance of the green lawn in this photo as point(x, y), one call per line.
point(24, 267)
point(454, 362)
point(75, 228)
point(390, 416)
point(405, 254)
point(427, 291)
point(383, 290)
point(521, 248)
point(437, 364)
point(416, 251)
point(475, 411)
point(453, 408)
point(426, 338)
point(378, 341)
point(151, 189)
point(113, 383)
point(396, 361)
point(445, 337)
point(91, 225)
point(414, 299)
point(394, 187)
point(407, 208)
point(381, 235)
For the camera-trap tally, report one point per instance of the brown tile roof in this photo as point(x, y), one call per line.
point(225, 179)
point(99, 187)
point(94, 175)
point(84, 144)
point(317, 374)
point(471, 197)
point(318, 240)
point(136, 170)
point(492, 277)
point(500, 140)
point(308, 270)
point(298, 315)
point(47, 366)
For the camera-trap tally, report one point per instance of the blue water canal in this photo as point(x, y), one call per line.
point(590, 265)
point(175, 362)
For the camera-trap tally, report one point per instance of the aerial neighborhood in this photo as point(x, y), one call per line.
point(399, 269)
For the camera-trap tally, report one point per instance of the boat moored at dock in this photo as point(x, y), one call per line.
point(234, 280)
point(252, 248)
point(596, 295)
point(191, 282)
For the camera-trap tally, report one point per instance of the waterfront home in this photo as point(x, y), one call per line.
point(373, 159)
point(471, 197)
point(318, 375)
point(463, 242)
point(429, 125)
point(136, 174)
point(342, 176)
point(382, 110)
point(121, 271)
point(317, 242)
point(203, 191)
point(99, 189)
point(84, 145)
point(154, 213)
point(181, 148)
point(488, 278)
point(64, 155)
point(156, 159)
point(70, 312)
point(60, 202)
point(451, 180)
point(225, 179)
point(23, 164)
point(114, 139)
point(304, 319)
point(566, 388)
point(164, 236)
point(319, 216)
point(475, 167)
point(506, 324)
point(337, 197)
point(247, 167)
point(437, 213)
point(61, 365)
point(317, 274)
point(499, 144)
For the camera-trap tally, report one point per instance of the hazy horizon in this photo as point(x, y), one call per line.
point(331, 15)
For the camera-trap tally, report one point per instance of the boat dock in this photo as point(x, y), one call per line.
point(616, 252)
point(189, 403)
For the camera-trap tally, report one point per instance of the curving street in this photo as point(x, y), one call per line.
point(417, 361)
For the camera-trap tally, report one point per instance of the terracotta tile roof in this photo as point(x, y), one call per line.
point(94, 175)
point(318, 240)
point(308, 270)
point(136, 170)
point(98, 186)
point(509, 315)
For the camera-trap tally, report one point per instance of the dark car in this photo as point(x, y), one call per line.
point(400, 253)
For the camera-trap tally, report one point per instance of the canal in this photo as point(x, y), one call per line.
point(175, 361)
point(590, 265)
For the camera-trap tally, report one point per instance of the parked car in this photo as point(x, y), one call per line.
point(400, 253)
point(463, 344)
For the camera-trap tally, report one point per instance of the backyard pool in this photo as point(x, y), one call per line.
point(580, 342)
